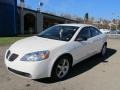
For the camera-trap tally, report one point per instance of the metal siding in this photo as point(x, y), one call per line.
point(8, 17)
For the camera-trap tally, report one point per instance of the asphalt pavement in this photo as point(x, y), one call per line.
point(95, 73)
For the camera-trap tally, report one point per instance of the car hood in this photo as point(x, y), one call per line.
point(35, 43)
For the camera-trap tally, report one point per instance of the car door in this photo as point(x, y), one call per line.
point(96, 38)
point(82, 45)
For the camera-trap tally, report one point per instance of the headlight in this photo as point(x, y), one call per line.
point(36, 56)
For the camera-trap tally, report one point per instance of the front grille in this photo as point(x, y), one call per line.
point(13, 57)
point(8, 54)
point(19, 72)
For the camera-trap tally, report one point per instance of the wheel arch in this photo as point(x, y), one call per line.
point(62, 55)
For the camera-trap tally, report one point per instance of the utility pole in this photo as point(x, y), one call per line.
point(39, 23)
point(22, 16)
point(86, 18)
point(117, 22)
point(40, 6)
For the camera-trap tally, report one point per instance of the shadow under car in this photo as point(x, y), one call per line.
point(83, 66)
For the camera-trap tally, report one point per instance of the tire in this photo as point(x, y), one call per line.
point(103, 51)
point(61, 68)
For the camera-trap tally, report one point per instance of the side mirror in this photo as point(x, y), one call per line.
point(81, 39)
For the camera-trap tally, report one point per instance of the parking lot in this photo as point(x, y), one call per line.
point(95, 73)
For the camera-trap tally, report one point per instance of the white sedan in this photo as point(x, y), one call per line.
point(54, 51)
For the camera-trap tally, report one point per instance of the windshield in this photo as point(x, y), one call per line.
point(64, 33)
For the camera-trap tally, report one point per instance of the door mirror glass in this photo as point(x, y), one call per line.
point(82, 39)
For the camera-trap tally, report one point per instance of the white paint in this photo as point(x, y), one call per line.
point(40, 69)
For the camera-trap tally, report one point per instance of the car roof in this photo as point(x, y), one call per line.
point(77, 25)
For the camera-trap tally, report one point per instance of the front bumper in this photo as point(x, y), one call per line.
point(32, 70)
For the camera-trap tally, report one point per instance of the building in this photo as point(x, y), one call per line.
point(8, 17)
point(34, 21)
point(15, 20)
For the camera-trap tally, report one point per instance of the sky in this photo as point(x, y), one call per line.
point(106, 9)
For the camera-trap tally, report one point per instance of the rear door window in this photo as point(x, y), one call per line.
point(94, 32)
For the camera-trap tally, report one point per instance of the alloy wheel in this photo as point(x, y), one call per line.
point(62, 68)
